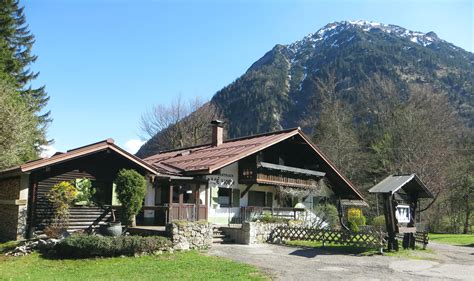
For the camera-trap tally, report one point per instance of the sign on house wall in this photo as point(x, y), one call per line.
point(221, 181)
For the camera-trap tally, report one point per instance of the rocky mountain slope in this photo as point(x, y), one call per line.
point(276, 91)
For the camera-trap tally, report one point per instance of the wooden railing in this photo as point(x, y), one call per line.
point(251, 213)
point(421, 238)
point(171, 212)
point(272, 179)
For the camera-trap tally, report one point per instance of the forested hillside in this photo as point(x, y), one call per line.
point(378, 99)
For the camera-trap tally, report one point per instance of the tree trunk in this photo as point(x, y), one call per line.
point(466, 222)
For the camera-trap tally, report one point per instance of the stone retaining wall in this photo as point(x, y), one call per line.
point(190, 235)
point(252, 232)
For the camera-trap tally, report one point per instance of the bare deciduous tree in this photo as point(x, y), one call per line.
point(333, 129)
point(181, 124)
point(419, 136)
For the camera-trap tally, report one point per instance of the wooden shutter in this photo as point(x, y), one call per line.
point(251, 201)
point(269, 201)
point(235, 197)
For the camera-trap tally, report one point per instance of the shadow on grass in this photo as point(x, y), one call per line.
point(467, 245)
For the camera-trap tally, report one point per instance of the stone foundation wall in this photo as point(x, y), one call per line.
point(10, 188)
point(8, 222)
point(190, 235)
point(9, 194)
point(252, 232)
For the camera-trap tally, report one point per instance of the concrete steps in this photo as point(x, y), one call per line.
point(219, 236)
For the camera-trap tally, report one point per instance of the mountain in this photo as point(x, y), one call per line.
point(276, 91)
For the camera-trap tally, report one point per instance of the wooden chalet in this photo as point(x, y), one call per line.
point(222, 182)
point(229, 181)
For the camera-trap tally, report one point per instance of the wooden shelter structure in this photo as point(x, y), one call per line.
point(401, 195)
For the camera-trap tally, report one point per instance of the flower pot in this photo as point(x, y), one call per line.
point(111, 229)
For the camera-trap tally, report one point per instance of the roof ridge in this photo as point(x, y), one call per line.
point(108, 141)
point(226, 141)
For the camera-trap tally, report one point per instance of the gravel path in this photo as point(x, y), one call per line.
point(296, 263)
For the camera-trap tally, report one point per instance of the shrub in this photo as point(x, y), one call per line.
point(353, 226)
point(327, 216)
point(60, 196)
point(131, 190)
point(85, 246)
point(356, 222)
point(379, 223)
point(268, 218)
point(85, 192)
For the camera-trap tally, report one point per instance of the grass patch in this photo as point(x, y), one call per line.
point(7, 246)
point(179, 266)
point(331, 247)
point(418, 254)
point(453, 239)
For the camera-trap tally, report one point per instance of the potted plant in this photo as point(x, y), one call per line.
point(112, 228)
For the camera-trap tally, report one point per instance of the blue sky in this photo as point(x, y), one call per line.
point(106, 62)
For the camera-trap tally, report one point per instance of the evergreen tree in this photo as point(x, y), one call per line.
point(17, 128)
point(16, 42)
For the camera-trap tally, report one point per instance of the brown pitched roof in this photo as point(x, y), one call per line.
point(205, 159)
point(209, 158)
point(79, 152)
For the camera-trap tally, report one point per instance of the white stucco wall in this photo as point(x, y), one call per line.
point(221, 215)
point(149, 199)
point(23, 205)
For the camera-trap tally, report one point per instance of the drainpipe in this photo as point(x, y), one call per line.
point(341, 213)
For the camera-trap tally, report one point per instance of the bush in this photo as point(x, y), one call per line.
point(85, 192)
point(353, 226)
point(267, 218)
point(60, 196)
point(131, 190)
point(327, 214)
point(379, 223)
point(86, 246)
point(356, 222)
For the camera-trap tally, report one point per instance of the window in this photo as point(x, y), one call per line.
point(223, 196)
point(257, 198)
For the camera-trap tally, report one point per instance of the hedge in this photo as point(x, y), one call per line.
point(85, 246)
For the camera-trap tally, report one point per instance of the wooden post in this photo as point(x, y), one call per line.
point(390, 222)
point(180, 201)
point(170, 203)
point(196, 201)
point(207, 201)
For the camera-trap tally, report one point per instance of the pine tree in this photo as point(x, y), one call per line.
point(16, 42)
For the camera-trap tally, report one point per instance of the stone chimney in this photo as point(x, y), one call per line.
point(217, 132)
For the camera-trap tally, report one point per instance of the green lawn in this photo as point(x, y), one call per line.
point(453, 239)
point(178, 266)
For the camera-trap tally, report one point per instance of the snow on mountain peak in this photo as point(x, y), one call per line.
point(335, 28)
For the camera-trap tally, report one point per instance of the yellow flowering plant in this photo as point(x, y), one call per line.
point(61, 197)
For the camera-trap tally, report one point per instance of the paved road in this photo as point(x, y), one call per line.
point(295, 263)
